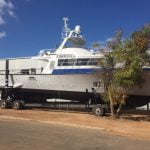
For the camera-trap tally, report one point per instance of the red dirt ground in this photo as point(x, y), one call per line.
point(132, 124)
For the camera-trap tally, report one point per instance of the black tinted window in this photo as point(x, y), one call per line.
point(82, 62)
point(93, 61)
point(78, 62)
point(66, 62)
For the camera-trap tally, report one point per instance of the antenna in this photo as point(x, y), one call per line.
point(66, 28)
point(65, 23)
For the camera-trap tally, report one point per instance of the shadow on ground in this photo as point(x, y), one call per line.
point(136, 115)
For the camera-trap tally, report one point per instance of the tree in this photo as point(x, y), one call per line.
point(111, 93)
point(116, 40)
point(122, 67)
point(107, 63)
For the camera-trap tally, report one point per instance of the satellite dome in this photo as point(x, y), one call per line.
point(78, 29)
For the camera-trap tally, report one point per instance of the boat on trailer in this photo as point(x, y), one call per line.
point(70, 72)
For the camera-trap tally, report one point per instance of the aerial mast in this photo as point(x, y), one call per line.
point(66, 29)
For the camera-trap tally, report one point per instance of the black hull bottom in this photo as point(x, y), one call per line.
point(137, 101)
point(34, 95)
point(31, 95)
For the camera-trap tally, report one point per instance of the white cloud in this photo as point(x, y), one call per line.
point(9, 4)
point(2, 35)
point(1, 20)
point(110, 39)
point(11, 13)
point(6, 8)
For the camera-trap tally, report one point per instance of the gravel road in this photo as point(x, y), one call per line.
point(29, 135)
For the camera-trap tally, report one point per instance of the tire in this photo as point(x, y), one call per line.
point(17, 105)
point(4, 104)
point(98, 110)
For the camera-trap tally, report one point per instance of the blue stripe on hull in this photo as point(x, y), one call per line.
point(80, 71)
point(146, 69)
point(74, 71)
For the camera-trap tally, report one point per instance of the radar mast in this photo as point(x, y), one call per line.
point(73, 36)
point(66, 29)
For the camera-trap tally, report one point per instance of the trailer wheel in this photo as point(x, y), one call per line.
point(17, 105)
point(4, 104)
point(98, 110)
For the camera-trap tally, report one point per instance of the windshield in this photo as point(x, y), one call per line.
point(78, 62)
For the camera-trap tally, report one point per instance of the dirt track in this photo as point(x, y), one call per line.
point(134, 129)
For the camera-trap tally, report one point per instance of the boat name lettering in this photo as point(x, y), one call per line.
point(66, 56)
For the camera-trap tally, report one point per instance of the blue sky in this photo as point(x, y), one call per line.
point(26, 26)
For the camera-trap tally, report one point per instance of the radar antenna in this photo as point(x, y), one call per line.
point(66, 29)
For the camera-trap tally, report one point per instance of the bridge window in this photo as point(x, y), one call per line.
point(93, 61)
point(66, 62)
point(82, 62)
point(78, 62)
